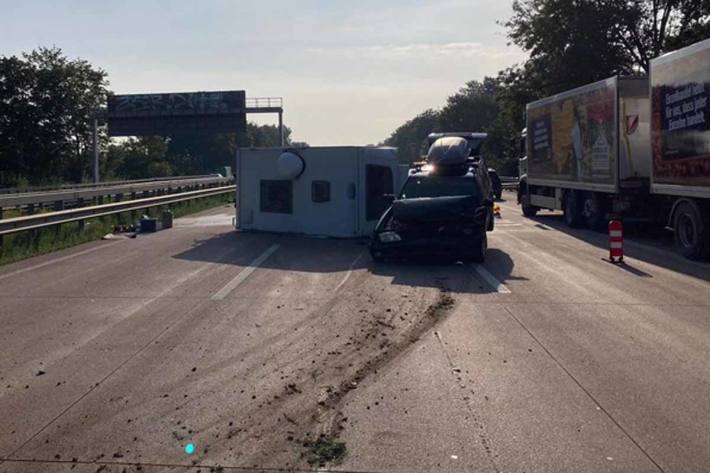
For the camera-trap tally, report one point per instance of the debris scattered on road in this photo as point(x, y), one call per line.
point(385, 324)
point(292, 388)
point(289, 420)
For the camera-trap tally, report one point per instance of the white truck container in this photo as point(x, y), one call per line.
point(338, 191)
point(680, 144)
point(628, 148)
point(584, 147)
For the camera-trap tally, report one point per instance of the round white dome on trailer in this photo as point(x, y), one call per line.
point(449, 151)
point(290, 165)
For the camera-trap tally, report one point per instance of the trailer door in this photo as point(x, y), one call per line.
point(379, 184)
point(378, 171)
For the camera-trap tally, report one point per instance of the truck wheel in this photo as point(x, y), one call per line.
point(528, 210)
point(572, 214)
point(593, 211)
point(691, 231)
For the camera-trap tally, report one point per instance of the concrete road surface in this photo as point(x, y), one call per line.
point(276, 353)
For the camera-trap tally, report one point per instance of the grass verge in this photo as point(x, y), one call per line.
point(19, 246)
point(324, 451)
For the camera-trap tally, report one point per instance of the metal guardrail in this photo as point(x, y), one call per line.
point(131, 187)
point(25, 190)
point(49, 219)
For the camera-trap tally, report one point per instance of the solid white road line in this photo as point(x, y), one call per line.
point(57, 260)
point(491, 280)
point(244, 274)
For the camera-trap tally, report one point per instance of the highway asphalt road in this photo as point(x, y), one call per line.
point(116, 354)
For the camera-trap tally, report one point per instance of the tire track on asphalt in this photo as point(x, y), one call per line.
point(311, 401)
point(480, 427)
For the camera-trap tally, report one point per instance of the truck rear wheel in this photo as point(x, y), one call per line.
point(691, 231)
point(572, 213)
point(593, 211)
point(528, 210)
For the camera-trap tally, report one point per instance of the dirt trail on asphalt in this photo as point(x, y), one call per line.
point(346, 339)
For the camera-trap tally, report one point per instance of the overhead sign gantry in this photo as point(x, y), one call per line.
point(165, 114)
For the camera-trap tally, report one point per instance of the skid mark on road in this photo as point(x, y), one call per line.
point(245, 273)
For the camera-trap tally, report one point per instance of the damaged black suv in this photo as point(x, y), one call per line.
point(444, 208)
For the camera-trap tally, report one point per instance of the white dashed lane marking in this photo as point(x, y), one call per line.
point(244, 274)
point(491, 280)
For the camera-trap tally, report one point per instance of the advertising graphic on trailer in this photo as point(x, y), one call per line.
point(572, 136)
point(681, 120)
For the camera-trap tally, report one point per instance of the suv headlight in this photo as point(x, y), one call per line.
point(389, 237)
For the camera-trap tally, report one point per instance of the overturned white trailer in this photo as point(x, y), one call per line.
point(338, 191)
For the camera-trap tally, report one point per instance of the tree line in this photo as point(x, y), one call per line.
point(47, 105)
point(569, 43)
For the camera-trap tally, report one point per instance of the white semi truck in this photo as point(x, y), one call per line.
point(629, 148)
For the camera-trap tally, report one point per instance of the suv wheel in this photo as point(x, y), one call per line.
point(480, 254)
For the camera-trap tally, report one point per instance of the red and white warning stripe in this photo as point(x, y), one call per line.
point(616, 241)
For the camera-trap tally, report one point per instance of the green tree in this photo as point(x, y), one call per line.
point(47, 104)
point(574, 42)
point(472, 108)
point(138, 158)
point(185, 153)
point(410, 138)
point(648, 28)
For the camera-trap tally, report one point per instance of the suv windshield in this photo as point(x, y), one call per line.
point(439, 186)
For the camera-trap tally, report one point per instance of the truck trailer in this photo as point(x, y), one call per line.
point(633, 148)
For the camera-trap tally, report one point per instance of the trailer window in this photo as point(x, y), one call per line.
point(379, 184)
point(277, 197)
point(320, 191)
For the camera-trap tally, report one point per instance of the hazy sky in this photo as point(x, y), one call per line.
point(350, 71)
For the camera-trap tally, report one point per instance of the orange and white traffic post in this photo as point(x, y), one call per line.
point(616, 241)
